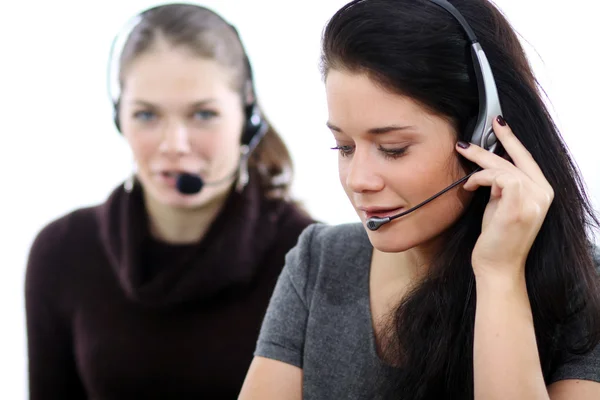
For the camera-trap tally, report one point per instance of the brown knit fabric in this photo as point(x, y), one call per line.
point(115, 314)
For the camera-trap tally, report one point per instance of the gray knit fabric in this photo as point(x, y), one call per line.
point(319, 318)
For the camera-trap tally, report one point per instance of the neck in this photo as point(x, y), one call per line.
point(398, 267)
point(180, 225)
point(411, 264)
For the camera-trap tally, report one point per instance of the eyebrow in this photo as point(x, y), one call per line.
point(375, 131)
point(197, 104)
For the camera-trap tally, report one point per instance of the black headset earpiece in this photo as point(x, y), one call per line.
point(255, 126)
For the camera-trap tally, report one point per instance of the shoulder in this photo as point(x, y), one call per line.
point(59, 237)
point(325, 252)
point(65, 228)
point(336, 239)
point(579, 364)
point(324, 243)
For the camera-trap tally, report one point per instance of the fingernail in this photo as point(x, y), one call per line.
point(463, 145)
point(501, 120)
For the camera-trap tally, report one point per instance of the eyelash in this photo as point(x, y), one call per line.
point(391, 154)
point(342, 150)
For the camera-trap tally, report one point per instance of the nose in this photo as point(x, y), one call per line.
point(176, 139)
point(361, 173)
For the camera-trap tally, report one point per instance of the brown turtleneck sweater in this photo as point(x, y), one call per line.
point(114, 314)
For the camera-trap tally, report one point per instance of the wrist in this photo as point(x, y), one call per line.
point(500, 278)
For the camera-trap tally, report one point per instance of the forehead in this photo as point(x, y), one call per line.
point(354, 97)
point(163, 72)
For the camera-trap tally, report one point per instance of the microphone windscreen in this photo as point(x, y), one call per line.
point(189, 183)
point(375, 223)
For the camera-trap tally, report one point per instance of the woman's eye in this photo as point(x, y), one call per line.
point(344, 150)
point(144, 115)
point(204, 115)
point(393, 153)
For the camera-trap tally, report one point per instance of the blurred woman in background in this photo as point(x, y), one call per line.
point(160, 291)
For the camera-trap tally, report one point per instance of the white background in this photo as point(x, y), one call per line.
point(60, 151)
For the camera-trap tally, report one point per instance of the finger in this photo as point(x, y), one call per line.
point(489, 178)
point(510, 189)
point(504, 186)
point(484, 177)
point(521, 157)
point(518, 203)
point(483, 158)
point(518, 184)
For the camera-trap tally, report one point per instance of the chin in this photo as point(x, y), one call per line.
point(388, 242)
point(207, 196)
point(187, 202)
point(176, 200)
point(170, 197)
point(394, 238)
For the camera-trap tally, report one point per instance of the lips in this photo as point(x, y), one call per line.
point(371, 212)
point(168, 177)
point(172, 173)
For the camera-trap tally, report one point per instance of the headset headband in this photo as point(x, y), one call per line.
point(489, 101)
point(118, 45)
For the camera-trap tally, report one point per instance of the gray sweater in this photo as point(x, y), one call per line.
point(319, 318)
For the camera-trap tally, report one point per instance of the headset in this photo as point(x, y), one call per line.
point(255, 126)
point(489, 108)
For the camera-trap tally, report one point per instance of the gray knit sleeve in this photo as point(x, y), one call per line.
point(585, 367)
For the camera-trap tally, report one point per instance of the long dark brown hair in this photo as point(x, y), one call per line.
point(415, 48)
point(208, 35)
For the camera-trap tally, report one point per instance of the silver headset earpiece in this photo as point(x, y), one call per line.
point(489, 101)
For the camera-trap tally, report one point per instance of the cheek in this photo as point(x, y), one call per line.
point(414, 181)
point(446, 209)
point(418, 181)
point(342, 174)
point(207, 145)
point(219, 146)
point(143, 147)
point(439, 170)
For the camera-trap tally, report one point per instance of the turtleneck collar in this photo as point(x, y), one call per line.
point(229, 254)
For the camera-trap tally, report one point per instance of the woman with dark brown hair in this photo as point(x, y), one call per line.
point(489, 291)
point(160, 291)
